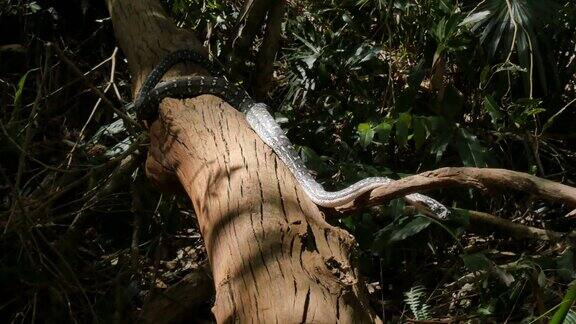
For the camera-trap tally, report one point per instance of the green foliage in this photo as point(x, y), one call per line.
point(476, 262)
point(515, 26)
point(206, 17)
point(414, 85)
point(448, 36)
point(399, 230)
point(366, 134)
point(19, 90)
point(416, 300)
point(564, 314)
point(362, 87)
point(471, 151)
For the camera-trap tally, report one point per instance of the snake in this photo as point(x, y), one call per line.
point(262, 123)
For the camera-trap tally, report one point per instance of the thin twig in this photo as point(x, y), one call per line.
point(110, 83)
point(126, 168)
point(128, 121)
point(77, 79)
point(95, 170)
point(27, 154)
point(27, 139)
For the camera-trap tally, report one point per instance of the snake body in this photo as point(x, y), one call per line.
point(263, 124)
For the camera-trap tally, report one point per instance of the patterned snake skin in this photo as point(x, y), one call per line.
point(259, 118)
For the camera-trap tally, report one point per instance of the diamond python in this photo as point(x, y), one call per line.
point(260, 120)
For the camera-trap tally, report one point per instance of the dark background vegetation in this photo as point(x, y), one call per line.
point(362, 87)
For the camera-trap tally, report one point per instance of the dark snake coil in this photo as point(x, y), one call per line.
point(258, 117)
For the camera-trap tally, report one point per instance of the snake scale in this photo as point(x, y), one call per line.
point(261, 121)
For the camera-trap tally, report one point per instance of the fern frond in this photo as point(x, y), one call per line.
point(415, 298)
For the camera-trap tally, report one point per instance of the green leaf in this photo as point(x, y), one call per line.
point(565, 264)
point(484, 75)
point(349, 222)
point(420, 131)
point(567, 302)
point(402, 128)
point(313, 48)
point(534, 111)
point(417, 74)
point(34, 7)
point(472, 153)
point(442, 132)
point(439, 31)
point(413, 227)
point(312, 160)
point(382, 238)
point(397, 208)
point(346, 18)
point(476, 261)
point(475, 17)
point(491, 107)
point(437, 54)
point(365, 134)
point(383, 130)
point(487, 310)
point(510, 67)
point(542, 279)
point(446, 6)
point(19, 90)
point(504, 276)
point(524, 111)
point(453, 101)
point(518, 26)
point(280, 118)
point(570, 317)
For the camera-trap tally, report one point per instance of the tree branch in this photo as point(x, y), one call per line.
point(248, 24)
point(128, 121)
point(268, 50)
point(482, 222)
point(485, 180)
point(143, 48)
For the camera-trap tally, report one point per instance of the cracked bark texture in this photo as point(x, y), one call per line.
point(272, 255)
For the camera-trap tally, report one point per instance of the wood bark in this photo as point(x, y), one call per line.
point(273, 256)
point(247, 27)
point(486, 180)
point(270, 46)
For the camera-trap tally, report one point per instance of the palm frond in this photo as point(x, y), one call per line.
point(514, 29)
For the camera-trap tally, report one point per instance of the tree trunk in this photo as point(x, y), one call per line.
point(273, 256)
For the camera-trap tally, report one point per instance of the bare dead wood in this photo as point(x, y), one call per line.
point(483, 222)
point(485, 180)
point(247, 27)
point(137, 26)
point(270, 46)
point(273, 256)
point(264, 237)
